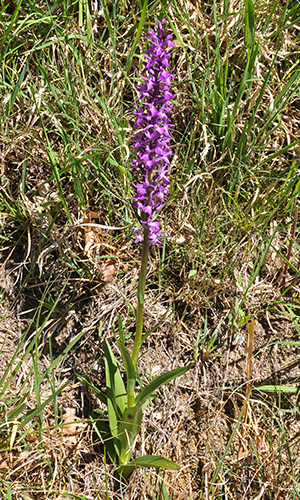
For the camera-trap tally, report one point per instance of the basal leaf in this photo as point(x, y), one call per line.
point(147, 461)
point(116, 394)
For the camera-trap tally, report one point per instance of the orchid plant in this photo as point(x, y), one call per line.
point(150, 169)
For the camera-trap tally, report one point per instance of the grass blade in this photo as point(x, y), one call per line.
point(137, 36)
point(15, 91)
point(250, 27)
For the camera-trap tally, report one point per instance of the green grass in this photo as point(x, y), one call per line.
point(68, 78)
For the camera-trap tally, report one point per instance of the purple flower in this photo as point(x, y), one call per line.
point(151, 166)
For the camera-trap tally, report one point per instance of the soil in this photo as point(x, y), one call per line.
point(193, 419)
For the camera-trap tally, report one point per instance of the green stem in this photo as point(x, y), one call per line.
point(130, 393)
point(141, 293)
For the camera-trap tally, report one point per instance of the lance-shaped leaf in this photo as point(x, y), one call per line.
point(147, 391)
point(130, 370)
point(147, 461)
point(116, 394)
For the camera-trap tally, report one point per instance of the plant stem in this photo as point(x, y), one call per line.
point(130, 394)
point(141, 293)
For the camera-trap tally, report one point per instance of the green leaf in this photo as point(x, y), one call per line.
point(89, 27)
point(116, 394)
point(242, 86)
point(121, 329)
point(138, 34)
point(77, 183)
point(128, 429)
point(147, 461)
point(100, 395)
point(258, 265)
point(9, 28)
point(31, 414)
point(15, 91)
point(243, 146)
point(128, 364)
point(54, 159)
point(103, 431)
point(277, 388)
point(250, 26)
point(176, 33)
point(107, 19)
point(159, 381)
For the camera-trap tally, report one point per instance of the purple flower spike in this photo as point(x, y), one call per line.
point(151, 166)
